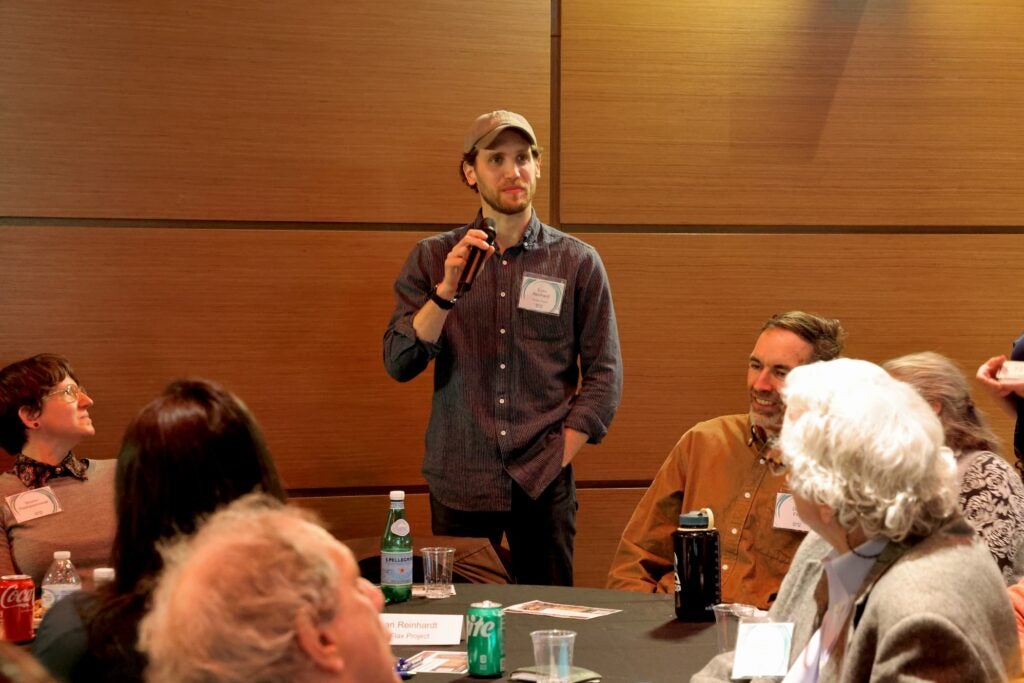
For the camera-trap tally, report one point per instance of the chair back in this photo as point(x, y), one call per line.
point(476, 559)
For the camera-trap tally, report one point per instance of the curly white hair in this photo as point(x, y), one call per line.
point(867, 446)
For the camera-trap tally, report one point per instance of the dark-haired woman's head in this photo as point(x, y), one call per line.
point(191, 450)
point(25, 387)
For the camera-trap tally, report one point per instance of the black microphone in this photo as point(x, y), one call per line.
point(475, 259)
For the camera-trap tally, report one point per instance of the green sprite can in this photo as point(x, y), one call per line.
point(485, 636)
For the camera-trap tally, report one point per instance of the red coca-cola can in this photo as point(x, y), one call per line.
point(17, 603)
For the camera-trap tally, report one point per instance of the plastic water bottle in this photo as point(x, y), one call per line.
point(61, 579)
point(698, 566)
point(396, 553)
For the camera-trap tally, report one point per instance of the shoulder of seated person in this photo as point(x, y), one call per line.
point(61, 620)
point(716, 426)
point(946, 571)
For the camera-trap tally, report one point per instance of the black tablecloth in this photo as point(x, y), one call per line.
point(641, 644)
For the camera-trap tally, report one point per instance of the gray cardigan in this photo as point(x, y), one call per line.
point(932, 609)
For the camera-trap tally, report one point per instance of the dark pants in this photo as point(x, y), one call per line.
point(540, 532)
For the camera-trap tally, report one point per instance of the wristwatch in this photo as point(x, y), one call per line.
point(446, 304)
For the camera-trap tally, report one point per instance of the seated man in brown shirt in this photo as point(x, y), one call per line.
point(724, 464)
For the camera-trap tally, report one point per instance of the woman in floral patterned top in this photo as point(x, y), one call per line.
point(991, 493)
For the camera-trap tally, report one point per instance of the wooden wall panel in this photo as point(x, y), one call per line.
point(290, 320)
point(673, 113)
point(223, 109)
point(792, 112)
point(690, 308)
point(293, 321)
point(601, 518)
point(361, 516)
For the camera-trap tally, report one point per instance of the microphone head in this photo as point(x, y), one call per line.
point(489, 227)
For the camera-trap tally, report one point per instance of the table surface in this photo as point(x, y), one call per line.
point(641, 644)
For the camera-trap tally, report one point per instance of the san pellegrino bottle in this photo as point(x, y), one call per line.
point(396, 553)
point(61, 579)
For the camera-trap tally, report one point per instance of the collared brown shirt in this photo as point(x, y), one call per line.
point(714, 465)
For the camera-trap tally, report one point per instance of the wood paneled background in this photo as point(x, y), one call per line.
point(227, 189)
point(792, 112)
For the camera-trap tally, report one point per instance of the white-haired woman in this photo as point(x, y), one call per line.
point(991, 493)
point(892, 583)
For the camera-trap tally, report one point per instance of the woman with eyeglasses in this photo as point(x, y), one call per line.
point(51, 499)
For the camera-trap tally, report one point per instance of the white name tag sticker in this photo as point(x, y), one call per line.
point(786, 516)
point(762, 649)
point(541, 293)
point(33, 504)
point(424, 629)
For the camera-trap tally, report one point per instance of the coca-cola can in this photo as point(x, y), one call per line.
point(17, 602)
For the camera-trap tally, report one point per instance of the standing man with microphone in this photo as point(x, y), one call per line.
point(526, 356)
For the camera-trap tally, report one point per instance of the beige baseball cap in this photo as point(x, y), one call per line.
point(487, 126)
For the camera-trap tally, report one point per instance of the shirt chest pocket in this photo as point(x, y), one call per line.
point(543, 326)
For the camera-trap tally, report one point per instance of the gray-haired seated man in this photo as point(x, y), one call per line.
point(260, 593)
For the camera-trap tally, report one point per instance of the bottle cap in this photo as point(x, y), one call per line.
point(702, 519)
point(62, 555)
point(102, 574)
point(397, 495)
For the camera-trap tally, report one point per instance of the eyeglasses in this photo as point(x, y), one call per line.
point(70, 393)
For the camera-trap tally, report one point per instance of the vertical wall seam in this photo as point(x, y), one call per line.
point(553, 155)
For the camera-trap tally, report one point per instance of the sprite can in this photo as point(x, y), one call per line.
point(485, 635)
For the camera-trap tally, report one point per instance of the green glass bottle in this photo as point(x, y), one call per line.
point(396, 553)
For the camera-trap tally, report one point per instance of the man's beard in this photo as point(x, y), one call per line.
point(770, 423)
point(494, 201)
